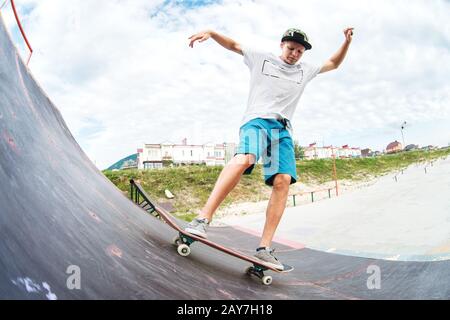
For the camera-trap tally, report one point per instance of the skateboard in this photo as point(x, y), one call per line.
point(184, 241)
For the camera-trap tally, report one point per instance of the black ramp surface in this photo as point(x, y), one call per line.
point(58, 214)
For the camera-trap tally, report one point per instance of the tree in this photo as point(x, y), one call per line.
point(298, 150)
point(167, 163)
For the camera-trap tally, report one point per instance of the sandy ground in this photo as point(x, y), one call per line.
point(249, 208)
point(400, 216)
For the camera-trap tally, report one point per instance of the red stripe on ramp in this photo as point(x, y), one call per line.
point(286, 242)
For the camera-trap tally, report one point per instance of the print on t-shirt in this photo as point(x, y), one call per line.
point(278, 71)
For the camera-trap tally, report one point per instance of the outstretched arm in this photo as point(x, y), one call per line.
point(338, 57)
point(224, 41)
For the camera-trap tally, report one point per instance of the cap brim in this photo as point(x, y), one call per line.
point(307, 45)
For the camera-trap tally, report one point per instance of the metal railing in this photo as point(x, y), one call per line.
point(13, 6)
point(312, 193)
point(141, 198)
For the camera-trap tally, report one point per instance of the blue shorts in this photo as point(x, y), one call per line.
point(269, 139)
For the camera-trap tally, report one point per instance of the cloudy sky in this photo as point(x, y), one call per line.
point(122, 74)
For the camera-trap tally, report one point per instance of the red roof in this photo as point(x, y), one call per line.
point(393, 145)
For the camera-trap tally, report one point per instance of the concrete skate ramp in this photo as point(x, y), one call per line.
point(60, 215)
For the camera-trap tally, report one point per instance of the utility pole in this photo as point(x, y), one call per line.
point(334, 171)
point(403, 137)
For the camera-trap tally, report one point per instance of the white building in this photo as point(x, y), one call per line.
point(153, 156)
point(315, 152)
point(150, 157)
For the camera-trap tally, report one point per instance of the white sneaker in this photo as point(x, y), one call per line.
point(266, 255)
point(198, 227)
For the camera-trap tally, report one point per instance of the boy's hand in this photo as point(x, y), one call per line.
point(348, 32)
point(201, 36)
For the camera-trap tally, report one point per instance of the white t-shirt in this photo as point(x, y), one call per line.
point(275, 86)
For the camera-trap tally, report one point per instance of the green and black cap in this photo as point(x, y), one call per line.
point(298, 36)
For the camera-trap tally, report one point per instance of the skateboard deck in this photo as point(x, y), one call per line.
point(184, 240)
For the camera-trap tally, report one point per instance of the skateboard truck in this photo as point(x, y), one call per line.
point(183, 243)
point(258, 271)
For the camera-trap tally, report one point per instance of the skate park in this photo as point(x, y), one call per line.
point(57, 214)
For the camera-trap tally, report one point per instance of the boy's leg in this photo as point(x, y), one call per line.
point(228, 179)
point(280, 172)
point(275, 208)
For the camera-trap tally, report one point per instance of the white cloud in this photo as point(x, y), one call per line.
point(122, 74)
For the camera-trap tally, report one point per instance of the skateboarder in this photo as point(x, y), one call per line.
point(276, 84)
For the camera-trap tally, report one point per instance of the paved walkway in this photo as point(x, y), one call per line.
point(407, 218)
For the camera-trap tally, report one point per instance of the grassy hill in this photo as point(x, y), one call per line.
point(192, 185)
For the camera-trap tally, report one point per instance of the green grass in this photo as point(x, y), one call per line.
point(320, 171)
point(192, 185)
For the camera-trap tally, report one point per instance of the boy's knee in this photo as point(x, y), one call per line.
point(282, 181)
point(244, 160)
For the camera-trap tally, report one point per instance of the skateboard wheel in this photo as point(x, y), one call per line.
point(184, 250)
point(267, 280)
point(176, 241)
point(249, 270)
